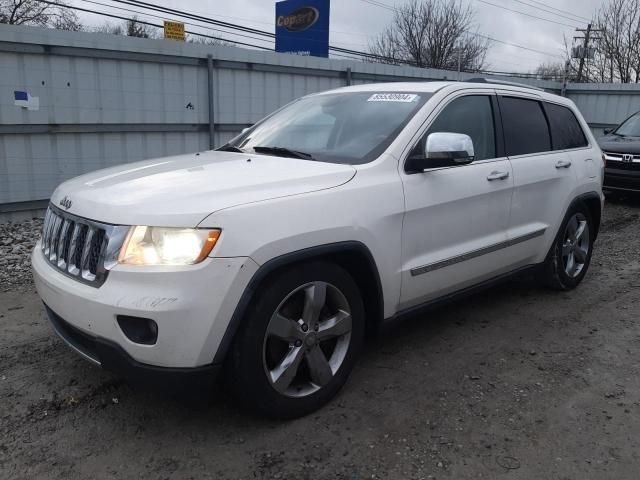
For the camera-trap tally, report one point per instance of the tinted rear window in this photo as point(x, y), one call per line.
point(566, 131)
point(525, 126)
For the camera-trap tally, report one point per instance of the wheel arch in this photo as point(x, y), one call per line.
point(353, 256)
point(594, 204)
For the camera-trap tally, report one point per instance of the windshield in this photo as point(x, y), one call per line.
point(631, 127)
point(350, 128)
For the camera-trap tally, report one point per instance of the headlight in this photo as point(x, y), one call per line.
point(167, 246)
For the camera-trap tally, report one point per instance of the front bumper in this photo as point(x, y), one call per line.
point(110, 356)
point(191, 305)
point(621, 180)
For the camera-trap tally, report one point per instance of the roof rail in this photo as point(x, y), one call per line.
point(503, 82)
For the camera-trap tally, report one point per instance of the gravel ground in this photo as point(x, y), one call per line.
point(16, 243)
point(518, 383)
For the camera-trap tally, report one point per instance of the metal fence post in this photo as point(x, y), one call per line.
point(211, 104)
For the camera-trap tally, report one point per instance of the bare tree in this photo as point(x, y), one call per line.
point(110, 28)
point(67, 20)
point(192, 38)
point(432, 33)
point(136, 29)
point(595, 69)
point(550, 71)
point(129, 28)
point(618, 46)
point(32, 12)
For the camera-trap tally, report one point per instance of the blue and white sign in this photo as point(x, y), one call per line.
point(302, 27)
point(25, 100)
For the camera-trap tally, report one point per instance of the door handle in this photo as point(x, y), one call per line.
point(563, 164)
point(495, 175)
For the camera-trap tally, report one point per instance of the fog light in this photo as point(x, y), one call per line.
point(139, 330)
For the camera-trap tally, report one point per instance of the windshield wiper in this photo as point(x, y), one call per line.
point(230, 148)
point(284, 152)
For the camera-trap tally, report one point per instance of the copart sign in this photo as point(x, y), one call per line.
point(302, 27)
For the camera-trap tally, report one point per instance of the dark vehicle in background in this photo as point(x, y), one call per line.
point(621, 148)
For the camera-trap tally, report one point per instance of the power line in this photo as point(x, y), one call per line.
point(232, 26)
point(547, 11)
point(215, 22)
point(475, 34)
point(525, 14)
point(394, 9)
point(119, 17)
point(192, 16)
point(272, 35)
point(138, 12)
point(380, 4)
point(516, 45)
point(181, 13)
point(105, 14)
point(560, 10)
point(202, 18)
point(270, 24)
point(162, 18)
point(338, 51)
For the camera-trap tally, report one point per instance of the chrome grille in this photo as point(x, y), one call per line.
point(80, 248)
point(622, 161)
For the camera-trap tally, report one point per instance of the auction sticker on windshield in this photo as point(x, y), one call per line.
point(393, 97)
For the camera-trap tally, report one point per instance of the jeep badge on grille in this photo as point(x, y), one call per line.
point(66, 202)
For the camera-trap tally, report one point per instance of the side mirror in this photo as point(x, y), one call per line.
point(244, 130)
point(607, 131)
point(441, 149)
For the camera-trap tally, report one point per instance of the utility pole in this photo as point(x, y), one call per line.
point(583, 54)
point(459, 59)
point(565, 78)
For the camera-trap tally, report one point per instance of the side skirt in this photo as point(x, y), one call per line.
point(455, 296)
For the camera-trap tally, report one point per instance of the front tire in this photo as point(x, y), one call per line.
point(570, 255)
point(299, 340)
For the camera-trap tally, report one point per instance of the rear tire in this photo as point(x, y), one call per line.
point(299, 340)
point(570, 255)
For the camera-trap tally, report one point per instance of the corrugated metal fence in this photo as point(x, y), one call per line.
point(103, 100)
point(605, 105)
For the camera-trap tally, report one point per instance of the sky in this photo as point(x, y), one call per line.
point(354, 23)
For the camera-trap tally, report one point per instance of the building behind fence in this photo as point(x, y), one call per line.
point(74, 102)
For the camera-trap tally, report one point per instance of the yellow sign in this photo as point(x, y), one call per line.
point(174, 31)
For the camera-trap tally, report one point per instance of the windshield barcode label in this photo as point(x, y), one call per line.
point(393, 97)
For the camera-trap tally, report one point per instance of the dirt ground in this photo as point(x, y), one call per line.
point(517, 382)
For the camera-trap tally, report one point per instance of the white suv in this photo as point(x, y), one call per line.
point(274, 255)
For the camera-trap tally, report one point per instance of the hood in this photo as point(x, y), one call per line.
point(181, 191)
point(620, 144)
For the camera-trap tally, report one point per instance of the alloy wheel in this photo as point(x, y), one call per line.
point(575, 245)
point(307, 339)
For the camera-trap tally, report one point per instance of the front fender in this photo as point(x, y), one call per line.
point(291, 258)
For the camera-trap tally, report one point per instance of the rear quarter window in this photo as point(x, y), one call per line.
point(566, 131)
point(525, 126)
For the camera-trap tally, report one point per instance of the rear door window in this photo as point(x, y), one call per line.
point(566, 131)
point(525, 126)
